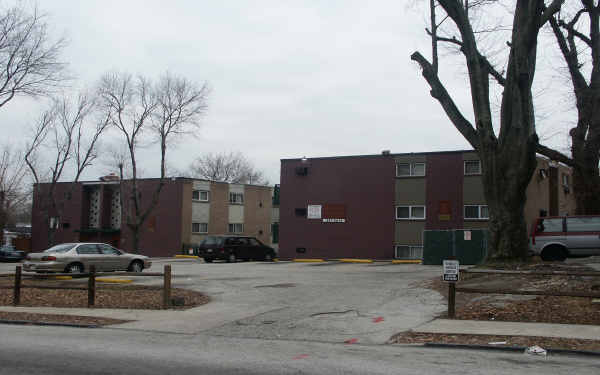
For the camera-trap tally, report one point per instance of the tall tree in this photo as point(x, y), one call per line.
point(13, 192)
point(69, 135)
point(507, 158)
point(231, 167)
point(164, 110)
point(578, 37)
point(30, 62)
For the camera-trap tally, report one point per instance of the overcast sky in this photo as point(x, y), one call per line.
point(289, 78)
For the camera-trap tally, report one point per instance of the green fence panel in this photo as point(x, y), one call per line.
point(469, 246)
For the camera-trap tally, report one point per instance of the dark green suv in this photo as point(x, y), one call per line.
point(232, 248)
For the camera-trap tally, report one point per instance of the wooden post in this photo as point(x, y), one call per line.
point(451, 300)
point(92, 286)
point(17, 291)
point(167, 287)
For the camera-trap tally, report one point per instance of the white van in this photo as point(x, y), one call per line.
point(558, 237)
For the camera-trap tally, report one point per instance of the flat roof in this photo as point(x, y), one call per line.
point(381, 154)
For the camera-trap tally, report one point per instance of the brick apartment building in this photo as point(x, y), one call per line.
point(187, 211)
point(377, 206)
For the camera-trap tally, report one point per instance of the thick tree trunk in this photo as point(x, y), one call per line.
point(586, 189)
point(505, 185)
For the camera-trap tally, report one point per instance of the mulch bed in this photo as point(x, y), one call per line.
point(511, 341)
point(114, 296)
point(546, 309)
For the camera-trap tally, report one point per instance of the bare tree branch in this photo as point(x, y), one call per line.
point(227, 167)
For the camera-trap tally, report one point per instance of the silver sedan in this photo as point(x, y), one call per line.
point(78, 257)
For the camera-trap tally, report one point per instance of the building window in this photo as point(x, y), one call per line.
point(409, 252)
point(476, 212)
point(236, 198)
point(565, 180)
point(408, 169)
point(199, 227)
point(236, 228)
point(200, 195)
point(410, 212)
point(472, 167)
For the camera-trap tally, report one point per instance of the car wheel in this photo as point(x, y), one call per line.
point(74, 268)
point(268, 257)
point(208, 260)
point(136, 266)
point(554, 253)
point(231, 258)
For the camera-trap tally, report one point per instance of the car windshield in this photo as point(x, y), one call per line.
point(63, 248)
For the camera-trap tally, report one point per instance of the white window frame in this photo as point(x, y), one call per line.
point(241, 227)
point(199, 228)
point(410, 212)
point(233, 198)
point(472, 161)
point(411, 250)
point(479, 217)
point(199, 199)
point(412, 169)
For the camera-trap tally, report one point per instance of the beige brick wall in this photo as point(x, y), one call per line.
point(219, 208)
point(257, 212)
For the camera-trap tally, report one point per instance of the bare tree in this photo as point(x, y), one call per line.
point(231, 167)
point(507, 158)
point(13, 191)
point(29, 59)
point(165, 110)
point(65, 133)
point(578, 37)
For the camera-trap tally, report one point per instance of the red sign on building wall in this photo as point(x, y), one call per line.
point(334, 213)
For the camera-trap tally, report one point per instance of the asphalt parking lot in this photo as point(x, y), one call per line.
point(327, 302)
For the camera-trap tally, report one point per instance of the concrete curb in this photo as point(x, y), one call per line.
point(407, 261)
point(306, 260)
point(352, 260)
point(519, 349)
point(114, 281)
point(186, 256)
point(36, 323)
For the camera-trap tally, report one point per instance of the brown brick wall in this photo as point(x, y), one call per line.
point(186, 213)
point(219, 208)
point(257, 212)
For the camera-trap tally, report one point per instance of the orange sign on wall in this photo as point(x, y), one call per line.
point(444, 211)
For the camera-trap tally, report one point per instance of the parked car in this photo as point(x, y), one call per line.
point(232, 248)
point(10, 254)
point(556, 238)
point(78, 257)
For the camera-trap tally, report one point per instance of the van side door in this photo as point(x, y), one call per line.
point(550, 231)
point(583, 235)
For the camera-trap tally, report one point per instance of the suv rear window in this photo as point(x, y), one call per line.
point(213, 241)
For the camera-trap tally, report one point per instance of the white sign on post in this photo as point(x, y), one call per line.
point(451, 268)
point(314, 211)
point(467, 235)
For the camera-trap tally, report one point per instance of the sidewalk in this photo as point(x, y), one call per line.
point(189, 321)
point(477, 327)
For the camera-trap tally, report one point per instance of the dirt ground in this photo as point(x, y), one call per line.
point(517, 308)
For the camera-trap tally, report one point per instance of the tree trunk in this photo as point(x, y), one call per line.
point(505, 184)
point(586, 189)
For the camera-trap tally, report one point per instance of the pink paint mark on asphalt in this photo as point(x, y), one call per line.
point(351, 341)
point(301, 356)
point(378, 319)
